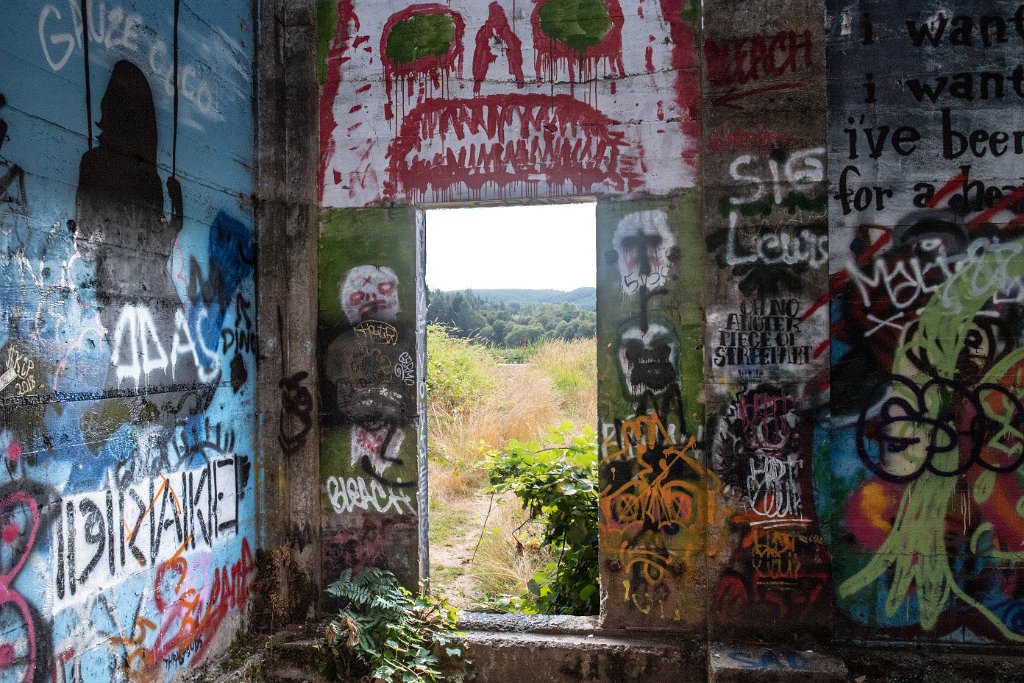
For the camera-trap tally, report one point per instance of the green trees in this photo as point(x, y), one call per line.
point(510, 323)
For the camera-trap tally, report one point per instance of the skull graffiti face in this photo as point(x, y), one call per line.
point(369, 292)
point(532, 99)
point(648, 359)
point(645, 247)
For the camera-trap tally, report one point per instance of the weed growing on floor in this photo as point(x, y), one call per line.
point(383, 632)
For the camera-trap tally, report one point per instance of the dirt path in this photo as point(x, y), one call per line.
point(456, 524)
point(450, 561)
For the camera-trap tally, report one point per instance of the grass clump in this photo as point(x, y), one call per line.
point(507, 557)
point(459, 373)
point(572, 368)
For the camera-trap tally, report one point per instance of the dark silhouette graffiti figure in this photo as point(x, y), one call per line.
point(13, 200)
point(120, 204)
point(122, 228)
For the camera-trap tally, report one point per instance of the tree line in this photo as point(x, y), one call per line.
point(508, 323)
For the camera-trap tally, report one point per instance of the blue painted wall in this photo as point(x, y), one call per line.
point(128, 476)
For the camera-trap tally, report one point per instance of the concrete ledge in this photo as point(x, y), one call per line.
point(741, 663)
point(557, 658)
point(527, 623)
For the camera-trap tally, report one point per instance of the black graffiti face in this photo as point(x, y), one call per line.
point(368, 393)
point(648, 359)
point(943, 428)
point(984, 342)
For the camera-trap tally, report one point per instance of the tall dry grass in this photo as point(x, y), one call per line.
point(509, 552)
point(477, 404)
point(519, 405)
point(572, 368)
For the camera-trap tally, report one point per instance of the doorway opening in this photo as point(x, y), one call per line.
point(512, 407)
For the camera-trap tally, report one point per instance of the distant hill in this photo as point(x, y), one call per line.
point(515, 317)
point(584, 297)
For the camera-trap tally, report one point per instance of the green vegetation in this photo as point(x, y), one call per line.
point(385, 633)
point(512, 324)
point(555, 479)
point(422, 35)
point(326, 26)
point(459, 373)
point(578, 24)
point(488, 551)
point(446, 524)
point(584, 297)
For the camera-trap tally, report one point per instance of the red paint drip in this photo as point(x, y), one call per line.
point(13, 451)
point(497, 26)
point(346, 18)
point(583, 66)
point(426, 70)
point(685, 66)
point(511, 142)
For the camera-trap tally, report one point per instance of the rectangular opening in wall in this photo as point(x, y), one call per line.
point(512, 407)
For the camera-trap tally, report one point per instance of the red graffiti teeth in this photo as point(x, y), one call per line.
point(552, 144)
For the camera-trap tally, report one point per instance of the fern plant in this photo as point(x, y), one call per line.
point(383, 632)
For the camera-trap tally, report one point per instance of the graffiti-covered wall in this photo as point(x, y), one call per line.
point(657, 499)
point(463, 101)
point(127, 336)
point(809, 286)
point(926, 137)
point(367, 343)
point(466, 100)
point(766, 259)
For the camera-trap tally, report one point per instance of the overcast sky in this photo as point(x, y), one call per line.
point(512, 247)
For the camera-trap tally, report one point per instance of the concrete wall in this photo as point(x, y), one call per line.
point(846, 457)
point(924, 495)
point(468, 100)
point(368, 391)
point(657, 498)
point(129, 492)
point(831, 190)
point(766, 338)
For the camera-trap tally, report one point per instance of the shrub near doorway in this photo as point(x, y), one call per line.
point(556, 481)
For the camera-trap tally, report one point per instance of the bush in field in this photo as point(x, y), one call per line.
point(556, 481)
point(459, 372)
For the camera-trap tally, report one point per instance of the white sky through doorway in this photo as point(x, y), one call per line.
point(512, 247)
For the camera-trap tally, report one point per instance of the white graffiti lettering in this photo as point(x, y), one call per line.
point(136, 349)
point(351, 493)
point(114, 28)
point(777, 247)
point(772, 487)
point(103, 537)
point(405, 369)
point(908, 282)
point(803, 168)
